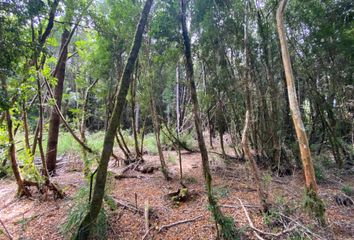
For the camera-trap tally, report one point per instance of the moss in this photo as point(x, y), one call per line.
point(228, 230)
point(314, 206)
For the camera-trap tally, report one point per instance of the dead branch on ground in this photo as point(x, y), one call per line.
point(165, 227)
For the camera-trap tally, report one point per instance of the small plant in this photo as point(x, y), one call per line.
point(150, 143)
point(190, 180)
point(78, 212)
point(319, 173)
point(266, 179)
point(228, 230)
point(348, 190)
point(297, 235)
point(314, 206)
point(271, 218)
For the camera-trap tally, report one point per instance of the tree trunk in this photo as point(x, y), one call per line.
point(21, 189)
point(25, 127)
point(245, 146)
point(228, 232)
point(311, 185)
point(54, 122)
point(133, 86)
point(248, 118)
point(156, 124)
point(221, 135)
point(294, 106)
point(83, 127)
point(99, 188)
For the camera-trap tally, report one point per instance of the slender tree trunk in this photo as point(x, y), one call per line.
point(274, 111)
point(142, 137)
point(156, 124)
point(294, 106)
point(123, 141)
point(245, 146)
point(178, 124)
point(221, 135)
point(100, 184)
point(127, 157)
point(133, 86)
point(54, 122)
point(228, 232)
point(83, 127)
point(311, 186)
point(25, 127)
point(21, 189)
point(248, 118)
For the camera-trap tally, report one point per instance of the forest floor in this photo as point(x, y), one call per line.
point(41, 217)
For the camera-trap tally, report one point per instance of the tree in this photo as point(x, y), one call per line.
point(54, 121)
point(101, 175)
point(227, 232)
point(310, 180)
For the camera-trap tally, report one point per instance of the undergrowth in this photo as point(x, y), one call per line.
point(228, 231)
point(80, 208)
point(78, 212)
point(314, 206)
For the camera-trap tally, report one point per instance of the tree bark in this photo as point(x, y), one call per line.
point(261, 193)
point(248, 118)
point(217, 214)
point(294, 105)
point(99, 189)
point(54, 122)
point(133, 87)
point(156, 124)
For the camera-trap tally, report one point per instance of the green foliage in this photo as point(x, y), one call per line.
point(348, 190)
point(66, 143)
point(150, 143)
point(172, 159)
point(271, 217)
point(110, 202)
point(314, 206)
point(319, 173)
point(228, 230)
point(78, 212)
point(266, 181)
point(29, 171)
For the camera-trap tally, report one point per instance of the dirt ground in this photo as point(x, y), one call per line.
point(41, 218)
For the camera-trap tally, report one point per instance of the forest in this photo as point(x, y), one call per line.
point(176, 119)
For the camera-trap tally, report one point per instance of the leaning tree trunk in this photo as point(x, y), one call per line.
point(315, 203)
point(228, 232)
point(120, 100)
point(156, 124)
point(54, 122)
point(245, 147)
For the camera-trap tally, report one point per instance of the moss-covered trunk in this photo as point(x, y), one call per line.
point(227, 231)
point(120, 100)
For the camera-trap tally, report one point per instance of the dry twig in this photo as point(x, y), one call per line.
point(163, 227)
point(256, 230)
point(6, 231)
